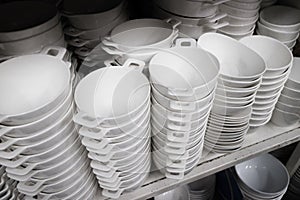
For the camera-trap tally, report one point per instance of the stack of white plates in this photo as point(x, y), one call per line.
point(39, 142)
point(284, 27)
point(140, 39)
point(183, 86)
point(278, 59)
point(196, 17)
point(267, 3)
point(8, 188)
point(294, 187)
point(29, 31)
point(113, 106)
point(203, 189)
point(89, 21)
point(179, 193)
point(263, 177)
point(242, 16)
point(287, 109)
point(241, 74)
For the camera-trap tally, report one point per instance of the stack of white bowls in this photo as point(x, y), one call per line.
point(287, 109)
point(294, 187)
point(8, 188)
point(267, 3)
point(29, 31)
point(278, 59)
point(196, 17)
point(113, 106)
point(40, 146)
point(263, 177)
point(242, 16)
point(140, 39)
point(89, 21)
point(183, 85)
point(239, 80)
point(284, 27)
point(203, 189)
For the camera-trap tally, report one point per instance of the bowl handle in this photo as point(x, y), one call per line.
point(95, 133)
point(31, 188)
point(12, 154)
point(55, 51)
point(22, 171)
point(173, 175)
point(218, 17)
point(177, 105)
point(94, 144)
point(112, 194)
point(178, 137)
point(70, 31)
point(6, 144)
point(185, 42)
point(174, 22)
point(85, 120)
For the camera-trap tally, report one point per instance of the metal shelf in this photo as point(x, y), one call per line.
point(267, 138)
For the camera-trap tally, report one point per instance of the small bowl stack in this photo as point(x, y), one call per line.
point(287, 109)
point(196, 17)
point(89, 21)
point(40, 145)
point(179, 193)
point(278, 59)
point(113, 106)
point(29, 31)
point(8, 189)
point(263, 177)
point(183, 85)
point(284, 27)
point(242, 16)
point(203, 189)
point(294, 187)
point(238, 83)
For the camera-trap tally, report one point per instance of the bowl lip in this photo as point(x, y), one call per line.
point(274, 160)
point(252, 23)
point(292, 90)
point(276, 25)
point(254, 18)
point(283, 46)
point(238, 34)
point(259, 24)
point(289, 106)
point(290, 98)
point(238, 9)
point(246, 3)
point(286, 113)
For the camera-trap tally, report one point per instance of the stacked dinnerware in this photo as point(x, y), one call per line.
point(196, 17)
point(267, 3)
point(40, 146)
point(183, 82)
point(242, 16)
point(89, 21)
point(8, 188)
point(240, 77)
point(263, 177)
point(140, 39)
point(284, 27)
point(113, 106)
point(293, 191)
point(179, 193)
point(287, 109)
point(203, 189)
point(278, 59)
point(29, 31)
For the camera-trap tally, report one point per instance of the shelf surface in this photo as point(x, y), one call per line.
point(267, 138)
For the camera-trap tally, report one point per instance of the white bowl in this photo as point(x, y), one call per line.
point(233, 20)
point(244, 5)
point(264, 175)
point(238, 12)
point(277, 34)
point(238, 36)
point(289, 19)
point(246, 65)
point(294, 80)
point(288, 108)
point(282, 118)
point(238, 29)
point(291, 92)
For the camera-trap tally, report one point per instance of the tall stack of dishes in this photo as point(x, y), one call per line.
point(241, 71)
point(183, 81)
point(88, 22)
point(140, 39)
point(40, 145)
point(287, 109)
point(242, 16)
point(279, 60)
point(284, 28)
point(196, 17)
point(27, 27)
point(113, 105)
